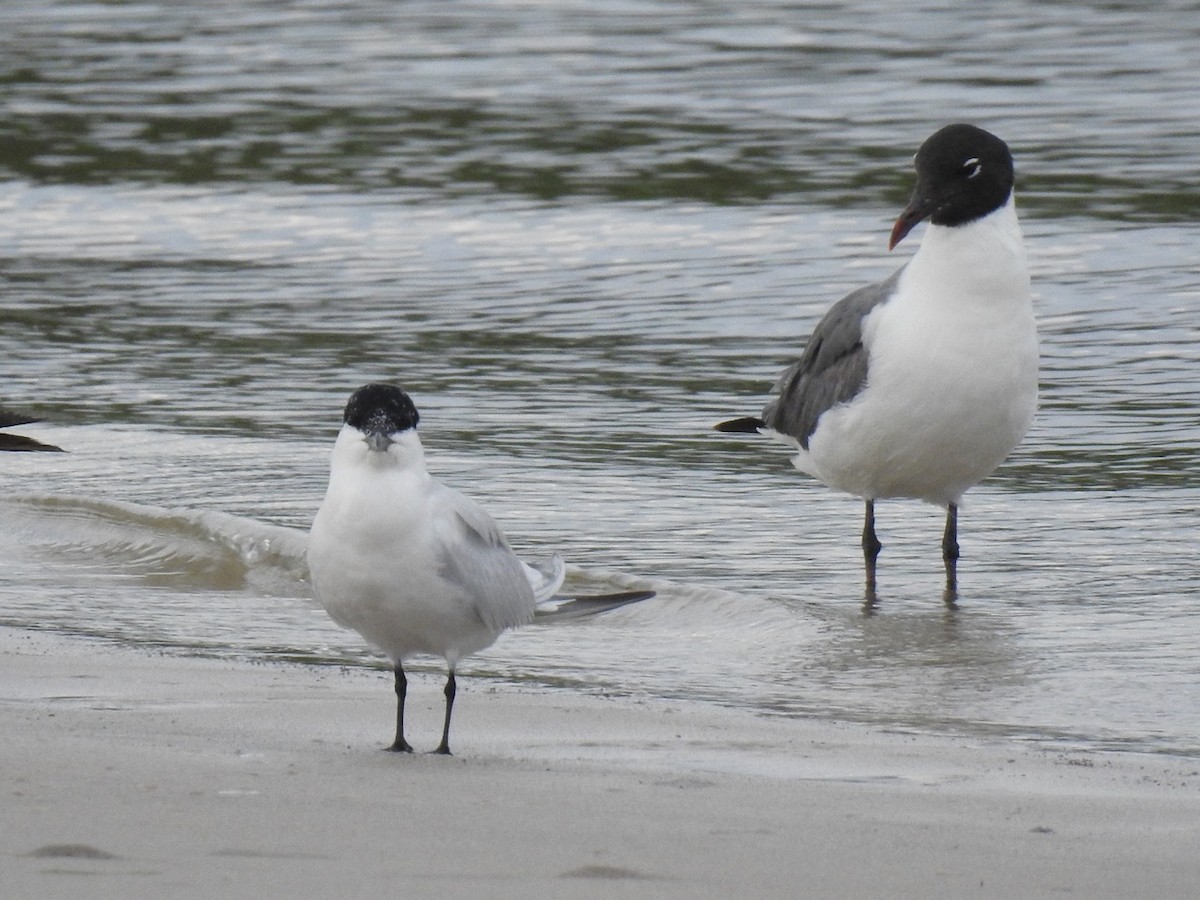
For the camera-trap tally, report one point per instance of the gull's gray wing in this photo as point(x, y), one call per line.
point(475, 557)
point(833, 367)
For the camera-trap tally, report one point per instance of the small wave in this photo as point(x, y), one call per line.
point(199, 549)
point(214, 583)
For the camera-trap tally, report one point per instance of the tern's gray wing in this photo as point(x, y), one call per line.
point(833, 367)
point(474, 556)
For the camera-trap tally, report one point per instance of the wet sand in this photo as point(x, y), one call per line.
point(131, 773)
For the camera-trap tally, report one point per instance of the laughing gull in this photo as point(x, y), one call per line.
point(921, 385)
point(18, 442)
point(414, 566)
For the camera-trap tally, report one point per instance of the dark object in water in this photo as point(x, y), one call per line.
point(19, 442)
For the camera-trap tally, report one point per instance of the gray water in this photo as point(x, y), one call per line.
point(580, 235)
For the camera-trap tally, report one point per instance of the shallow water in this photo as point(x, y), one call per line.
point(580, 237)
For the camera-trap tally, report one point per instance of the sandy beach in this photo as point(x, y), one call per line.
point(130, 773)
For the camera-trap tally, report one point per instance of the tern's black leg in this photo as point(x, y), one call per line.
point(451, 690)
point(950, 549)
point(871, 548)
point(400, 745)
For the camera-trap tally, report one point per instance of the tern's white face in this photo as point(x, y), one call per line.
point(355, 447)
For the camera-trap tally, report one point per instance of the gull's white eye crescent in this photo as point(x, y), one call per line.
point(973, 167)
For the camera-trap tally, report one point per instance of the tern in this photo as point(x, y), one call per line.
point(414, 566)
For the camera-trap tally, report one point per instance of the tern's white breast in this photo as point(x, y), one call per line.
point(376, 559)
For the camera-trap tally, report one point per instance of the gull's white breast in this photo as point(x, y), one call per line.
point(952, 372)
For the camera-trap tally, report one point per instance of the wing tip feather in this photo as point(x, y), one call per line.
point(744, 425)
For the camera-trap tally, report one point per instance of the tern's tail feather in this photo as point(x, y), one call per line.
point(580, 607)
point(545, 577)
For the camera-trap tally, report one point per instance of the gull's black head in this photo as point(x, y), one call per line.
point(963, 173)
point(381, 410)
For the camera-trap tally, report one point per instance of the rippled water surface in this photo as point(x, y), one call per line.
point(580, 236)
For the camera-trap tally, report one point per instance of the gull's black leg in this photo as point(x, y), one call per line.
point(451, 690)
point(950, 550)
point(871, 548)
point(400, 745)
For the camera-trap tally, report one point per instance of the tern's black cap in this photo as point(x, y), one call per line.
point(381, 408)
